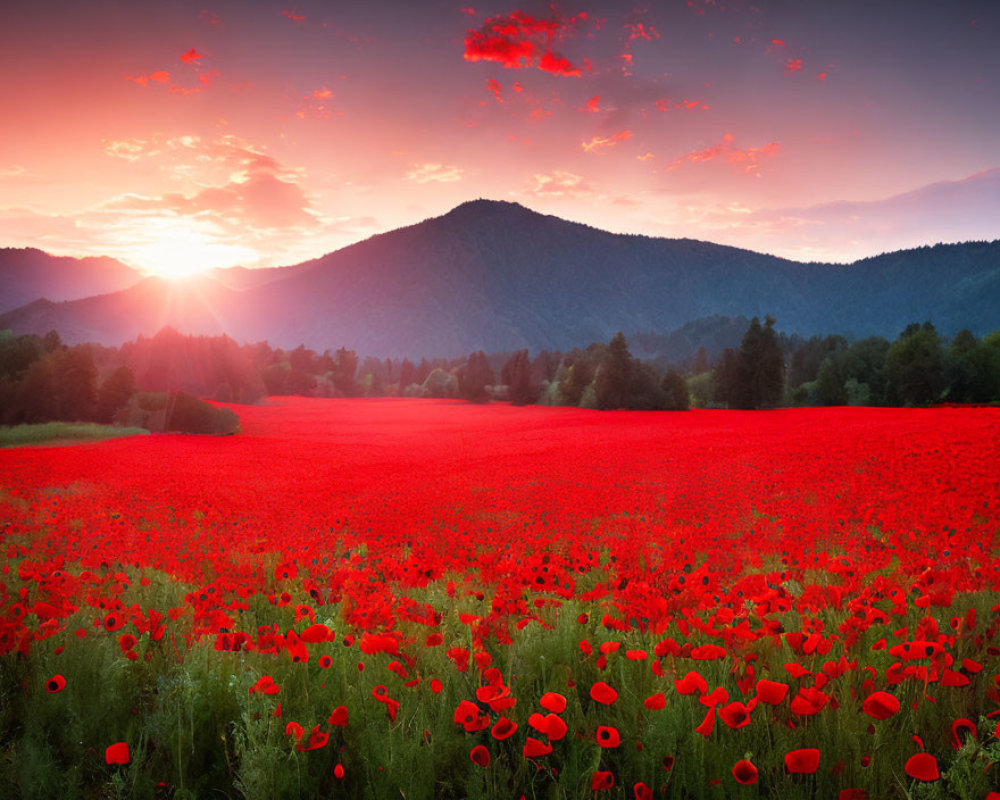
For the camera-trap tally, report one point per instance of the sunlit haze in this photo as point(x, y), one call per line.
point(180, 136)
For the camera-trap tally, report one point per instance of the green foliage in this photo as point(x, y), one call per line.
point(675, 389)
point(41, 433)
point(914, 367)
point(474, 377)
point(439, 383)
point(187, 414)
point(614, 376)
point(517, 376)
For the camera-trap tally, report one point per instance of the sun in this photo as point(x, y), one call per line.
point(174, 248)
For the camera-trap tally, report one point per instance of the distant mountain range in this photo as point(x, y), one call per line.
point(497, 276)
point(28, 274)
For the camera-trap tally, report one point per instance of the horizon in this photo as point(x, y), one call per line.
point(270, 135)
point(149, 273)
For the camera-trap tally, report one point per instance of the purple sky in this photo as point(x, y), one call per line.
point(179, 136)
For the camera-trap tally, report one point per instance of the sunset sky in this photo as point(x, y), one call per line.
point(180, 135)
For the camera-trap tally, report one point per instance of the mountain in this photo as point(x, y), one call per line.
point(497, 276)
point(27, 274)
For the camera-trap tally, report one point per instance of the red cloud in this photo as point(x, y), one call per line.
point(470, 11)
point(592, 104)
point(793, 65)
point(683, 105)
point(520, 40)
point(494, 86)
point(293, 16)
point(746, 159)
point(191, 57)
point(640, 31)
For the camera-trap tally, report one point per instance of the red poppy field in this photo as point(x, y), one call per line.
point(413, 598)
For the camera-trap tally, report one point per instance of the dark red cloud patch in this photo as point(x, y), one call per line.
point(192, 56)
point(520, 40)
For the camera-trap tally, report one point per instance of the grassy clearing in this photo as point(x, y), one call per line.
point(63, 433)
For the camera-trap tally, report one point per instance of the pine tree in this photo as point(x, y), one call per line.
point(613, 376)
point(474, 377)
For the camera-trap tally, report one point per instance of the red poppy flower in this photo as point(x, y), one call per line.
point(535, 749)
point(436, 685)
point(117, 753)
point(316, 740)
point(265, 685)
point(554, 702)
point(735, 715)
point(642, 792)
point(602, 780)
point(503, 729)
point(55, 684)
point(113, 621)
point(880, 705)
point(480, 755)
point(922, 766)
point(771, 692)
point(338, 772)
point(745, 773)
point(339, 716)
point(855, 794)
point(316, 633)
point(708, 724)
point(959, 727)
point(325, 662)
point(655, 701)
point(602, 693)
point(294, 729)
point(607, 736)
point(691, 683)
point(667, 763)
point(802, 762)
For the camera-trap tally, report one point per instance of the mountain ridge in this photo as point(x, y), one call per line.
point(495, 275)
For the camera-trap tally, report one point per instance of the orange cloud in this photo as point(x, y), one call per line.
point(600, 142)
point(520, 40)
point(747, 160)
point(191, 56)
point(160, 76)
point(558, 184)
point(434, 172)
point(592, 104)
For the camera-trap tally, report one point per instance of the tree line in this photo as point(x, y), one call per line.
point(144, 381)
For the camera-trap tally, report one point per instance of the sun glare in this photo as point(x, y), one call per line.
point(175, 249)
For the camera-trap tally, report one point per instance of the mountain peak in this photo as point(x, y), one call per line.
point(481, 207)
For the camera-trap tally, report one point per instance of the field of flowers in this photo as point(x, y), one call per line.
point(429, 599)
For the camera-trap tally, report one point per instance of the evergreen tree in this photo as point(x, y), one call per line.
point(579, 374)
point(474, 377)
point(114, 394)
point(675, 388)
point(760, 368)
point(407, 376)
point(344, 372)
point(517, 375)
point(914, 366)
point(614, 375)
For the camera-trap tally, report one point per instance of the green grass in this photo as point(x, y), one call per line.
point(194, 731)
point(63, 432)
